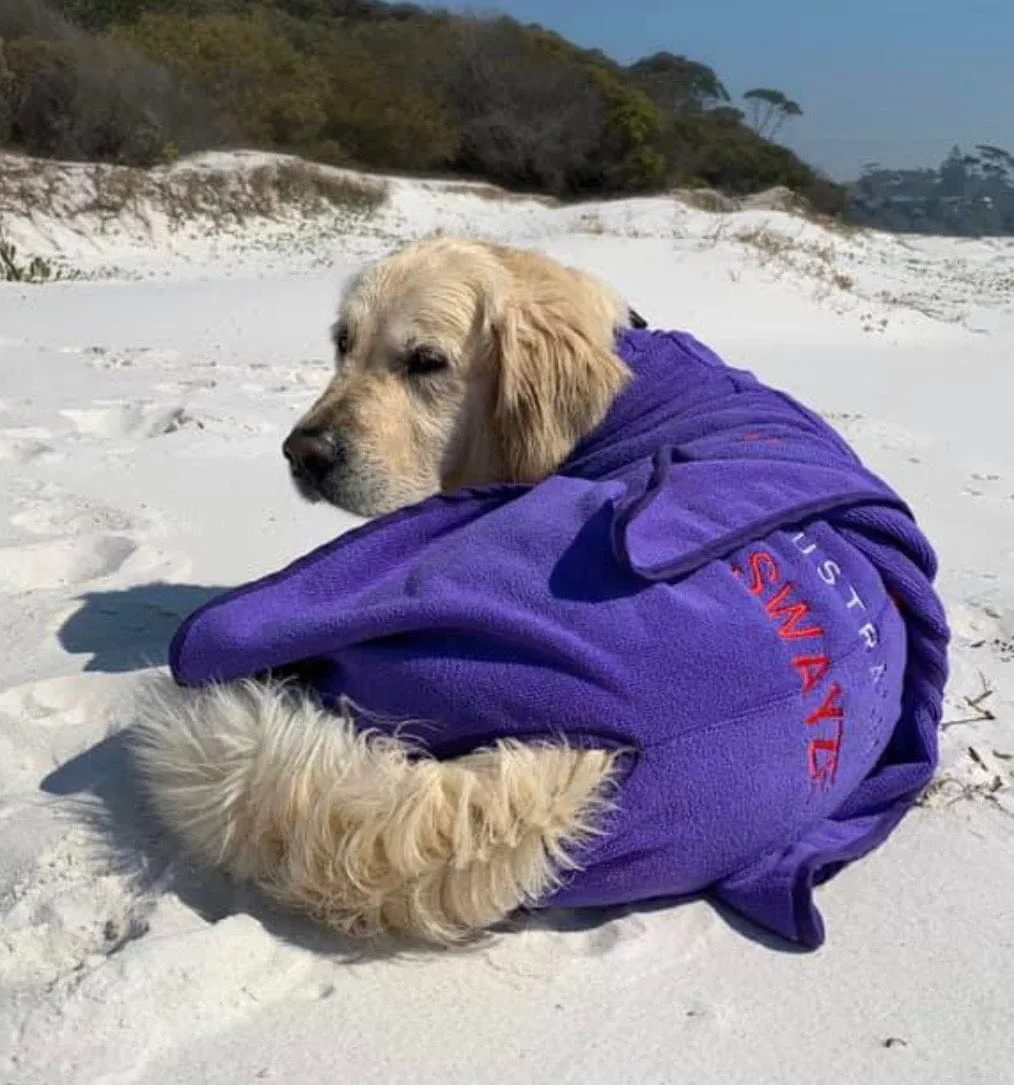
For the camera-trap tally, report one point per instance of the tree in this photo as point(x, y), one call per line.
point(678, 85)
point(68, 94)
point(380, 113)
point(968, 195)
point(952, 179)
point(275, 93)
point(769, 110)
point(631, 156)
point(526, 118)
point(996, 163)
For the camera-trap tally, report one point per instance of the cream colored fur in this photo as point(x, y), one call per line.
point(357, 829)
point(530, 370)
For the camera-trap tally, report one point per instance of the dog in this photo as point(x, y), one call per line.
point(463, 368)
point(457, 363)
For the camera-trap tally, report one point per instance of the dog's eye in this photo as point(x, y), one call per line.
point(341, 339)
point(425, 360)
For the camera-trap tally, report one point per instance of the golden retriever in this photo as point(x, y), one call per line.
point(457, 363)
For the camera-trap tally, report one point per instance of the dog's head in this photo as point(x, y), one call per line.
point(457, 363)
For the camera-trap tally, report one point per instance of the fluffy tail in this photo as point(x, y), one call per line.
point(356, 828)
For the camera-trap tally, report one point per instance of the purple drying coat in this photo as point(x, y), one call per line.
point(712, 582)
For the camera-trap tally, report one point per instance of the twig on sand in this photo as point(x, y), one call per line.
point(977, 705)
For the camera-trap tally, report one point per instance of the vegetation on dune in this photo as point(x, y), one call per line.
point(377, 86)
point(400, 87)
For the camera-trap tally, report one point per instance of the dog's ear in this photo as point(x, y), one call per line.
point(556, 376)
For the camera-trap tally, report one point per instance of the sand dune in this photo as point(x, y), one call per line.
point(142, 408)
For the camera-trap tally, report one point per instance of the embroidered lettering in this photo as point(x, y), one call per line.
point(788, 614)
point(801, 538)
point(829, 708)
point(811, 669)
point(822, 757)
point(855, 601)
point(829, 571)
point(759, 561)
point(793, 613)
point(869, 635)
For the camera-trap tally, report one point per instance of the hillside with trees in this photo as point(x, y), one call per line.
point(969, 195)
point(392, 87)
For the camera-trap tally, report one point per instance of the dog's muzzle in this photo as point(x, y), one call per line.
point(314, 456)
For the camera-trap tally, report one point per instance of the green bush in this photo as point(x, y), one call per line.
point(275, 94)
point(379, 111)
point(717, 149)
point(67, 94)
point(528, 119)
point(14, 270)
point(631, 151)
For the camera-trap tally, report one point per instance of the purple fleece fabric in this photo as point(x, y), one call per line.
point(712, 582)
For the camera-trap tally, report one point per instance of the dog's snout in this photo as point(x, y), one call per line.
point(314, 452)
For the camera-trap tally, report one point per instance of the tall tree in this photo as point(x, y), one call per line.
point(678, 85)
point(769, 110)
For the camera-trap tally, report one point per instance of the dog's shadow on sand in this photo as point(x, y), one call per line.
point(130, 630)
point(101, 790)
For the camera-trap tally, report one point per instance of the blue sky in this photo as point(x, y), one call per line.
point(894, 81)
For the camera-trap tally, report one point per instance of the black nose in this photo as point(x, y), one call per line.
point(313, 452)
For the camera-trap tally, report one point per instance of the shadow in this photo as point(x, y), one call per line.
point(589, 919)
point(749, 930)
point(105, 794)
point(102, 790)
point(587, 572)
point(130, 629)
point(580, 920)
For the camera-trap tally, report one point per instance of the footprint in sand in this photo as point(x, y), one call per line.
point(62, 563)
point(60, 518)
point(878, 432)
point(128, 419)
point(68, 700)
point(175, 388)
point(24, 444)
point(983, 484)
point(103, 358)
point(67, 916)
point(140, 420)
point(185, 978)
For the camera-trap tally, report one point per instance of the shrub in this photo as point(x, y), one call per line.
point(379, 111)
point(15, 270)
point(275, 95)
point(719, 149)
point(66, 94)
point(630, 157)
point(527, 119)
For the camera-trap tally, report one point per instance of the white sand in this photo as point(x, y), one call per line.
point(140, 422)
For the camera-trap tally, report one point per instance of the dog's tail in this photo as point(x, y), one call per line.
point(356, 827)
